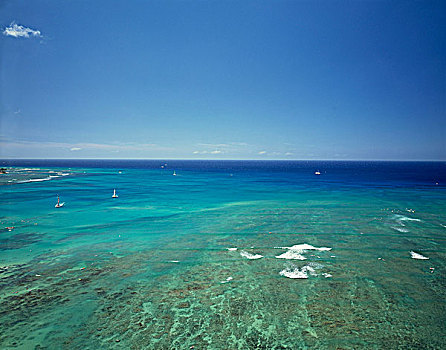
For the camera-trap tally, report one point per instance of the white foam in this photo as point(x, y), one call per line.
point(418, 256)
point(305, 246)
point(291, 255)
point(295, 252)
point(174, 261)
point(35, 180)
point(49, 177)
point(227, 280)
point(404, 218)
point(295, 272)
point(250, 256)
point(400, 229)
point(231, 249)
point(443, 225)
point(315, 265)
point(27, 169)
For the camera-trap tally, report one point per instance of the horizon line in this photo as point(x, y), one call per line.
point(239, 159)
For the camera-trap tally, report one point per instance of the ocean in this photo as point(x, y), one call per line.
point(222, 255)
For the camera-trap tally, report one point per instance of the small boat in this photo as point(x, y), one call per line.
point(114, 194)
point(59, 204)
point(174, 173)
point(317, 172)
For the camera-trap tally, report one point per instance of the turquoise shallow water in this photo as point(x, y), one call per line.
point(224, 255)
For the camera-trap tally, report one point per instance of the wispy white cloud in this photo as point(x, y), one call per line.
point(229, 149)
point(208, 152)
point(87, 146)
point(274, 153)
point(18, 31)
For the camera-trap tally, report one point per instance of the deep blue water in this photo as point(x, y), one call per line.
point(389, 173)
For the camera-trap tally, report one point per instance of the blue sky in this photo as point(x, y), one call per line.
point(223, 79)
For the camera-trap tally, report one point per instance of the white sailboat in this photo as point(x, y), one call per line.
point(174, 173)
point(114, 194)
point(59, 204)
